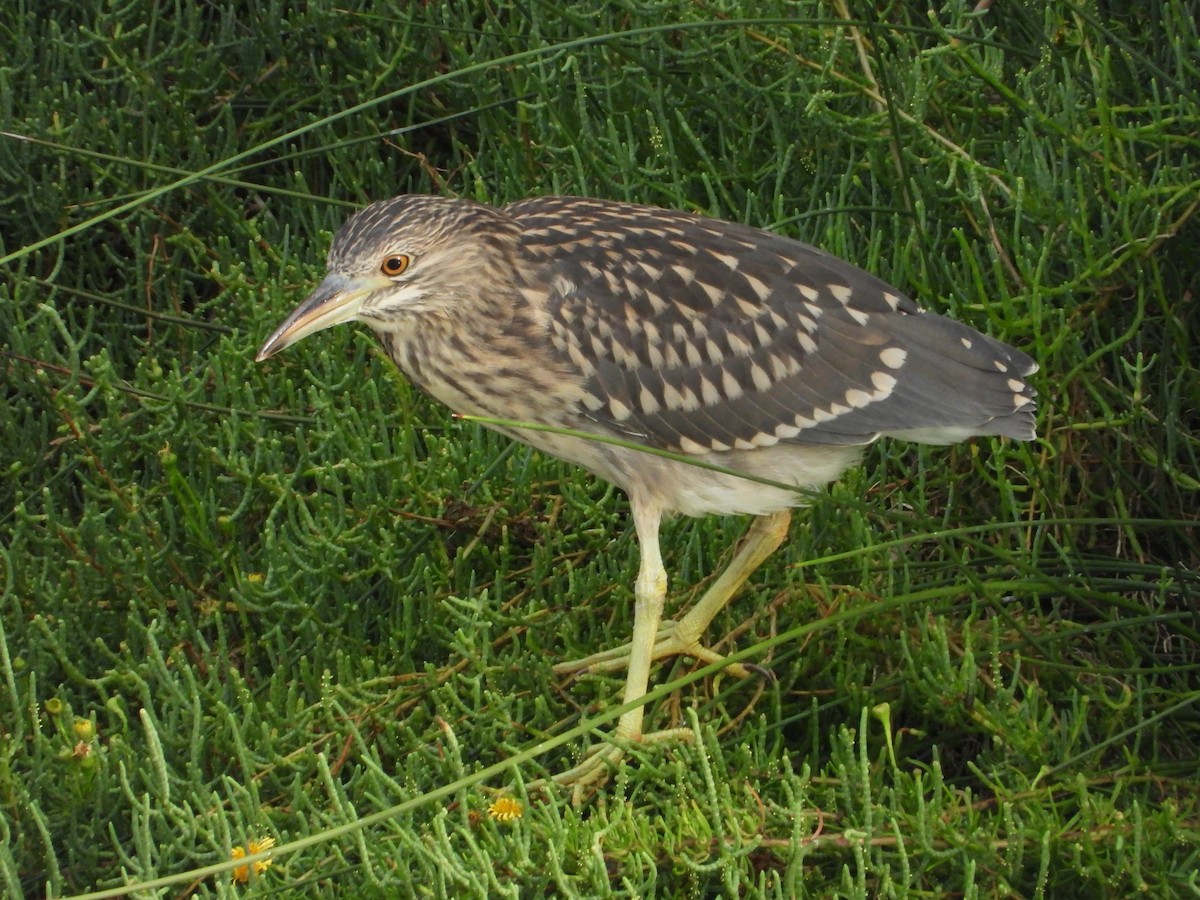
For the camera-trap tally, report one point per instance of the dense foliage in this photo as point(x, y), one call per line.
point(243, 601)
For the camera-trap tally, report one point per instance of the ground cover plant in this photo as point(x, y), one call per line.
point(300, 604)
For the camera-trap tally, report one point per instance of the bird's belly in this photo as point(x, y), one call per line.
point(698, 491)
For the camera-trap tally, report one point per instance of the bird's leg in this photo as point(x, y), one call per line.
point(649, 593)
point(763, 538)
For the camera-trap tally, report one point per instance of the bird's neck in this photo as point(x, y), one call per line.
point(497, 361)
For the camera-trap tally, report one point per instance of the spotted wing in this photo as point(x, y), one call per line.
point(700, 335)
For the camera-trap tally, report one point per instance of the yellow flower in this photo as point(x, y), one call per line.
point(505, 809)
point(242, 873)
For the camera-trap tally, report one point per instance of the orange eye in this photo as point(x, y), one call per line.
point(394, 265)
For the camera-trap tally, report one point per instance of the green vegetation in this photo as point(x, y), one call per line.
point(300, 601)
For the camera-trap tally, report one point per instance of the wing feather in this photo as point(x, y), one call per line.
point(703, 335)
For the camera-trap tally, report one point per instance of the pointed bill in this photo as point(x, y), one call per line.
point(336, 299)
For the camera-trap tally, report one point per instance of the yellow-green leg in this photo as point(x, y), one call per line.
point(649, 592)
point(762, 539)
point(650, 642)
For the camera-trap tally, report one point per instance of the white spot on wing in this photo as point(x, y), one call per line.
point(647, 401)
point(858, 398)
point(731, 261)
point(786, 432)
point(657, 303)
point(715, 294)
point(583, 363)
point(619, 410)
point(883, 383)
point(828, 415)
point(857, 315)
point(738, 344)
point(966, 342)
point(622, 356)
point(689, 399)
point(745, 307)
point(779, 370)
point(762, 381)
point(761, 288)
point(893, 357)
point(599, 351)
point(841, 293)
point(680, 398)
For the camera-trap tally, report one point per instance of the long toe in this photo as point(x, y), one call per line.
point(668, 643)
point(603, 760)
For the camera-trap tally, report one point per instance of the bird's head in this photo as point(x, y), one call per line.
point(399, 258)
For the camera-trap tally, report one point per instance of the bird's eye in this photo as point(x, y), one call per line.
point(394, 265)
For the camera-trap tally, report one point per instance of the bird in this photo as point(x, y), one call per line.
point(608, 334)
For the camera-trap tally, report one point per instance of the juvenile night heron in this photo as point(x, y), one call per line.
point(718, 341)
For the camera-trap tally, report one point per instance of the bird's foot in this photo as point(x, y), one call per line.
point(670, 641)
point(602, 760)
